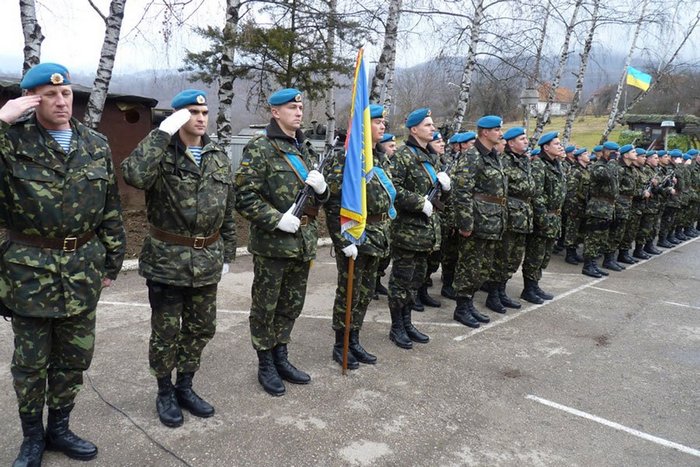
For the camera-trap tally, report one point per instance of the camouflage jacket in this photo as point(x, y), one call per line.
point(447, 216)
point(377, 233)
point(695, 178)
point(521, 190)
point(47, 192)
point(567, 165)
point(412, 230)
point(672, 200)
point(184, 199)
point(628, 189)
point(602, 190)
point(684, 184)
point(576, 191)
point(655, 202)
point(267, 187)
point(549, 197)
point(480, 186)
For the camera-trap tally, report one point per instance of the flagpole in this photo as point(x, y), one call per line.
point(348, 312)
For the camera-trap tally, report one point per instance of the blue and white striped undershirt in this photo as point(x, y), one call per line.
point(62, 137)
point(196, 152)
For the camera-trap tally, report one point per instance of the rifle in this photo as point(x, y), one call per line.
point(435, 190)
point(304, 194)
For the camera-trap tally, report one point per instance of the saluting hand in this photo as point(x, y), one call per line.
point(15, 108)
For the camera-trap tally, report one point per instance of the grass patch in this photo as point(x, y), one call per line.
point(586, 131)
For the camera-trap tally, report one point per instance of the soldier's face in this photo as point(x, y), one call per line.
point(653, 160)
point(491, 135)
point(555, 149)
point(584, 158)
point(389, 148)
point(468, 145)
point(289, 115)
point(56, 107)
point(519, 144)
point(378, 127)
point(199, 119)
point(500, 146)
point(423, 132)
point(438, 146)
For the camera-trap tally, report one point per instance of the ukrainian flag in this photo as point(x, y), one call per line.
point(638, 79)
point(358, 159)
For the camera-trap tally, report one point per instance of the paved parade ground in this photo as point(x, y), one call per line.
point(606, 374)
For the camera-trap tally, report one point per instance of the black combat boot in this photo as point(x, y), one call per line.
point(463, 313)
point(600, 271)
point(529, 293)
point(610, 263)
point(571, 256)
point(624, 257)
point(651, 249)
point(639, 252)
point(680, 235)
point(691, 232)
point(268, 377)
point(353, 364)
point(505, 299)
point(358, 351)
point(480, 317)
point(190, 400)
point(60, 438)
point(672, 239)
point(417, 304)
point(664, 243)
point(414, 334)
point(493, 301)
point(447, 290)
point(426, 299)
point(541, 293)
point(379, 289)
point(168, 408)
point(285, 369)
point(33, 444)
point(590, 270)
point(397, 333)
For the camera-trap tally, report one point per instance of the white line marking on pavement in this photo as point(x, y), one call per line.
point(617, 426)
point(683, 305)
point(611, 291)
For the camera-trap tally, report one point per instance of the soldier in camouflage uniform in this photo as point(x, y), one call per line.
point(521, 189)
point(567, 164)
point(695, 171)
point(65, 241)
point(546, 205)
point(650, 207)
point(577, 182)
point(387, 145)
point(600, 209)
point(640, 194)
point(192, 239)
point(672, 202)
point(380, 210)
point(684, 188)
point(274, 168)
point(416, 230)
point(480, 204)
point(627, 185)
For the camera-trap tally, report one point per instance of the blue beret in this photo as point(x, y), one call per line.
point(626, 148)
point(693, 152)
point(535, 152)
point(570, 148)
point(651, 153)
point(580, 151)
point(189, 97)
point(453, 139)
point(387, 137)
point(598, 148)
point(641, 151)
point(662, 153)
point(611, 145)
point(417, 116)
point(468, 136)
point(376, 111)
point(45, 73)
point(675, 153)
point(437, 136)
point(687, 157)
point(489, 121)
point(513, 133)
point(547, 138)
point(284, 96)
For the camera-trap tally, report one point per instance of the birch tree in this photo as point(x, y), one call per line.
point(100, 87)
point(227, 75)
point(329, 97)
point(382, 82)
point(32, 34)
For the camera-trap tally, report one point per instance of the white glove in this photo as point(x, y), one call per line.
point(350, 250)
point(289, 222)
point(316, 181)
point(225, 269)
point(444, 180)
point(428, 207)
point(173, 123)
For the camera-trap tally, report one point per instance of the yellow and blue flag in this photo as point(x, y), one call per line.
point(358, 159)
point(638, 79)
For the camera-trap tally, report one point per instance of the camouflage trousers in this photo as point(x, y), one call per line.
point(364, 282)
point(474, 264)
point(631, 229)
point(617, 231)
point(668, 219)
point(449, 250)
point(508, 256)
point(408, 272)
point(278, 294)
point(595, 237)
point(183, 321)
point(648, 227)
point(572, 230)
point(538, 251)
point(51, 350)
point(384, 262)
point(685, 216)
point(434, 260)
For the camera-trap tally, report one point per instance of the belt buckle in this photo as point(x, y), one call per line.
point(504, 201)
point(384, 217)
point(70, 244)
point(199, 243)
point(304, 220)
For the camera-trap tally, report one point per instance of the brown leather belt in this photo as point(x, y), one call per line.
point(376, 218)
point(526, 200)
point(68, 244)
point(197, 243)
point(491, 199)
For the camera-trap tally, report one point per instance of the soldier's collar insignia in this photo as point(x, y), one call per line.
point(56, 78)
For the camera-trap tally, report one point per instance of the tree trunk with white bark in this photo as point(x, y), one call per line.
point(32, 34)
point(387, 60)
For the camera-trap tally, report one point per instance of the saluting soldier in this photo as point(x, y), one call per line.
point(481, 186)
point(191, 241)
point(575, 205)
point(65, 242)
point(546, 204)
point(416, 230)
point(274, 168)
